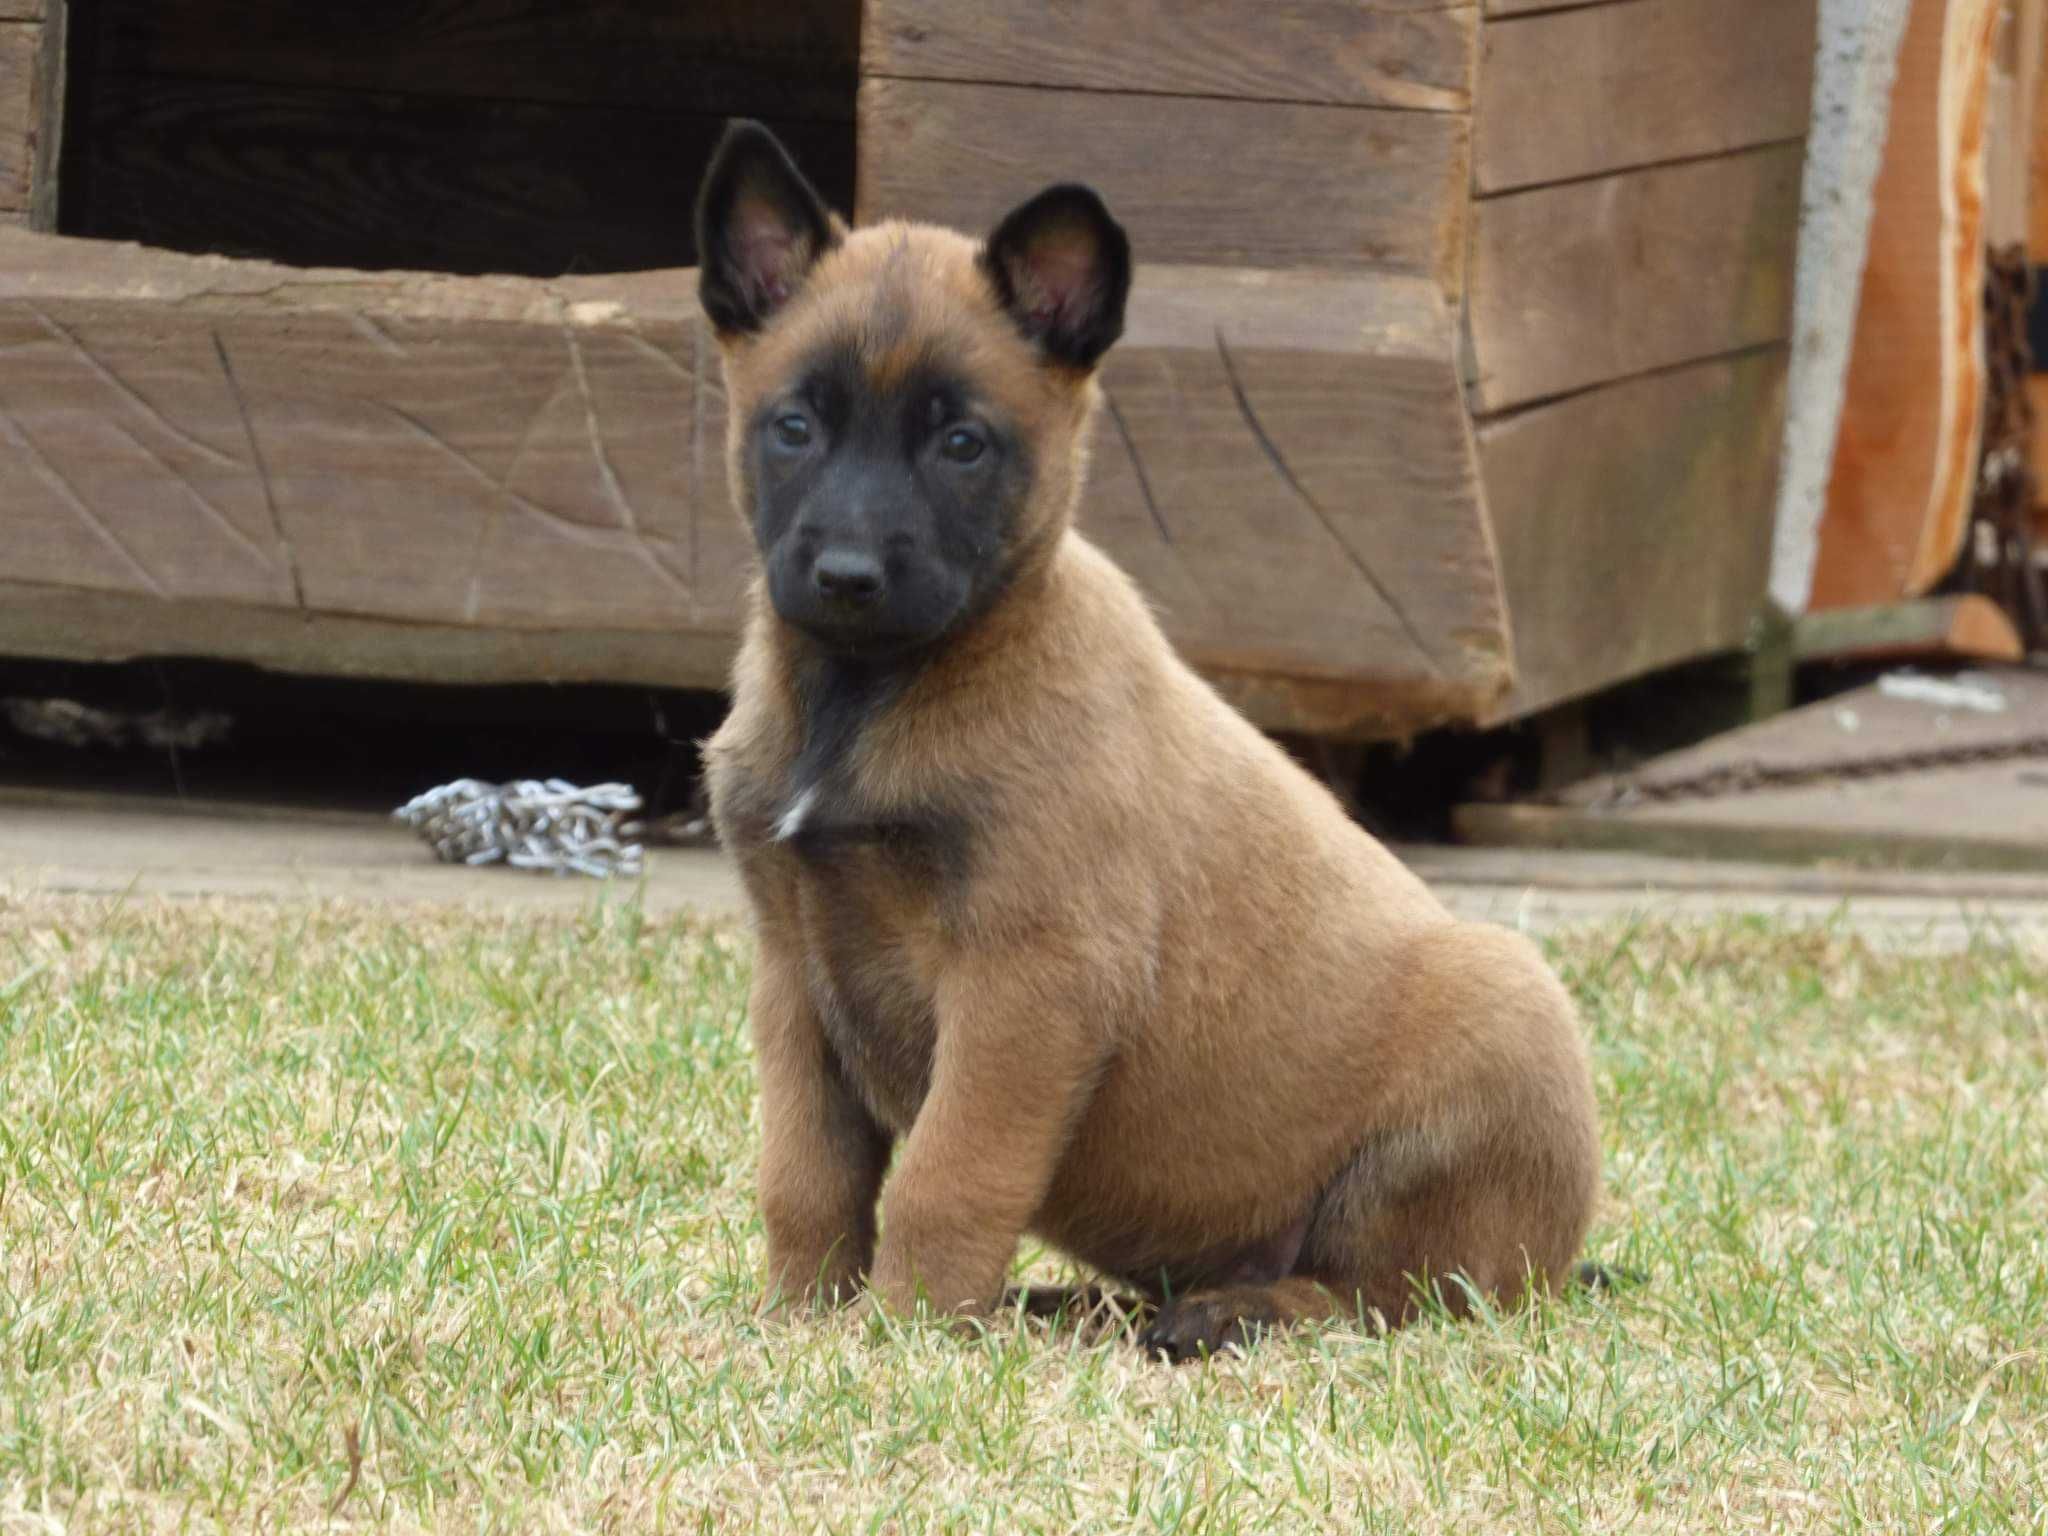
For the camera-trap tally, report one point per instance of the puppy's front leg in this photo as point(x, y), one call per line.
point(1013, 1064)
point(822, 1155)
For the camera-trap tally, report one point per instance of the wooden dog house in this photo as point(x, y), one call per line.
point(358, 339)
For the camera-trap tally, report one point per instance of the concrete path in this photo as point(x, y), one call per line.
point(110, 845)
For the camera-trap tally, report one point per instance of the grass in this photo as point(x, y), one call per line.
point(319, 1218)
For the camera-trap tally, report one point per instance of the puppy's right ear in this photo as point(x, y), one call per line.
point(760, 226)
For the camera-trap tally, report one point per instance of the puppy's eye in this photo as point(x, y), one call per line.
point(962, 445)
point(792, 431)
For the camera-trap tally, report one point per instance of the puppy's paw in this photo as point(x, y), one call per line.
point(1205, 1324)
point(1093, 1311)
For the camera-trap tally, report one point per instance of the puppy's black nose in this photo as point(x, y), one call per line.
point(848, 576)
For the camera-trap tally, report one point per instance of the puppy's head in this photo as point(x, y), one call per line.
point(908, 407)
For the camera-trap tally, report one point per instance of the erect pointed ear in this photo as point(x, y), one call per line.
point(1062, 268)
point(760, 226)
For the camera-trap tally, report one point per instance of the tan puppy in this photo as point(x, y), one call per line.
point(1036, 909)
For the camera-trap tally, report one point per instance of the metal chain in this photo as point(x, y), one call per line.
point(545, 824)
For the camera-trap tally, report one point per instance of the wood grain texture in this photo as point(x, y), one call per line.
point(793, 57)
point(1577, 285)
point(1797, 826)
point(21, 10)
point(2019, 56)
point(1263, 483)
point(1905, 463)
point(337, 179)
point(1335, 51)
point(1633, 523)
point(2037, 175)
point(1285, 467)
point(1219, 183)
point(50, 104)
point(1929, 629)
point(1524, 7)
point(1814, 737)
point(17, 111)
point(1569, 94)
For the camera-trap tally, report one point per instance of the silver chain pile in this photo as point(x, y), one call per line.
point(531, 824)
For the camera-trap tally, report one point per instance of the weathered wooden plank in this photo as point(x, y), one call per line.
point(1523, 7)
point(1305, 186)
point(336, 179)
point(1287, 455)
point(21, 10)
point(1798, 827)
point(2037, 175)
point(2019, 59)
point(1336, 51)
point(792, 58)
point(1580, 284)
point(1981, 814)
point(1568, 94)
point(1905, 465)
point(51, 94)
point(82, 624)
point(1928, 629)
point(1633, 523)
point(1285, 467)
point(17, 111)
point(1867, 724)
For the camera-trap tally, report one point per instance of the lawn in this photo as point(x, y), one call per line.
point(319, 1217)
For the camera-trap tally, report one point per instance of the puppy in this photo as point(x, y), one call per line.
point(1038, 914)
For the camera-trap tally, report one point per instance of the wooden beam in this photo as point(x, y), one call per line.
point(2037, 180)
point(51, 100)
point(2019, 55)
point(1286, 456)
point(1633, 524)
point(1593, 281)
point(1335, 51)
point(1568, 94)
point(1307, 186)
point(1524, 7)
point(1905, 464)
point(1929, 629)
point(21, 10)
point(1286, 469)
point(18, 41)
point(1785, 840)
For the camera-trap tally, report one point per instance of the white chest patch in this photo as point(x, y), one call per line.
point(792, 821)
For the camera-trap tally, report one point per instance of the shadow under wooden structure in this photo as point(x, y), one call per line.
point(1452, 388)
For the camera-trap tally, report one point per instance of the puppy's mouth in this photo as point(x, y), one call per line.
point(865, 637)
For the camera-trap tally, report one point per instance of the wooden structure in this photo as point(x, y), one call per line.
point(1953, 188)
point(1874, 776)
point(1452, 386)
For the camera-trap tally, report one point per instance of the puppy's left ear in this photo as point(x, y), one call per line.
point(1061, 266)
point(760, 227)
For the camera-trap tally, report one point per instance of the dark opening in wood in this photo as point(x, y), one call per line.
point(520, 136)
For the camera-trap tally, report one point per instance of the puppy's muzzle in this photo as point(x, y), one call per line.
point(848, 579)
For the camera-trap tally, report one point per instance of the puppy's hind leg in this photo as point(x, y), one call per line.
point(1480, 1178)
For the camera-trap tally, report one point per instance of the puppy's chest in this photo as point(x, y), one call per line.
point(875, 894)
